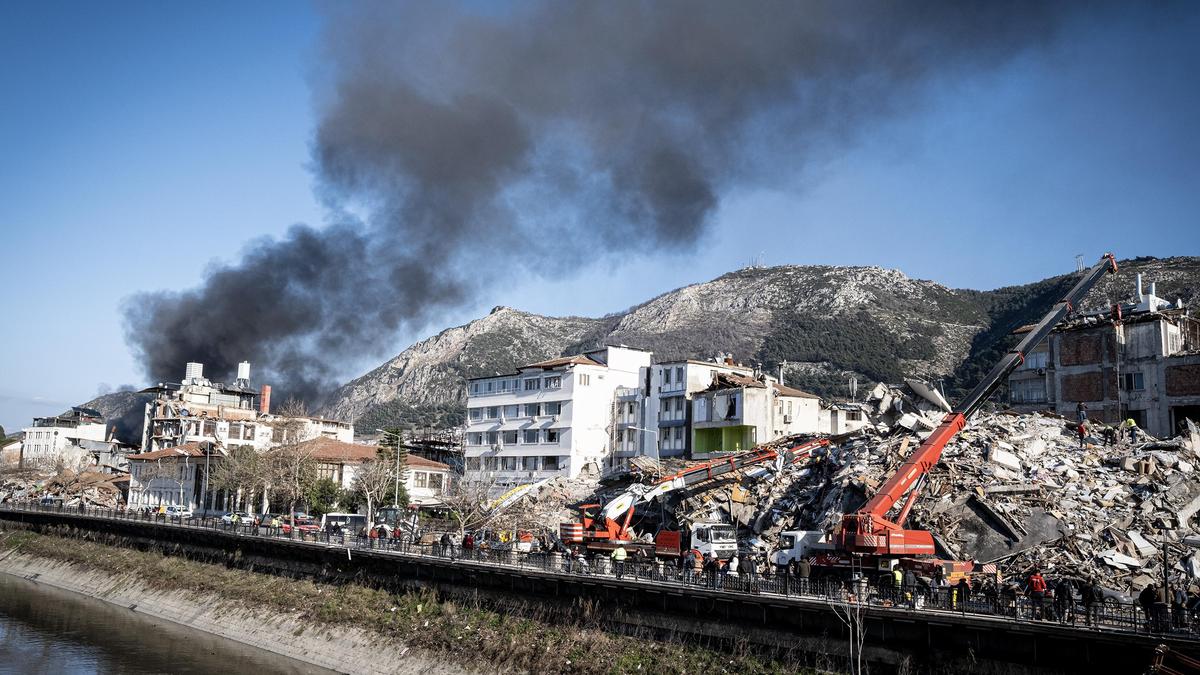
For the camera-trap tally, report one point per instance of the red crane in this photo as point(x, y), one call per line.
point(869, 531)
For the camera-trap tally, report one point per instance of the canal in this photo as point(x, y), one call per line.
point(46, 630)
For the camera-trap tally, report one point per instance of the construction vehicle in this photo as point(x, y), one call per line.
point(867, 538)
point(604, 528)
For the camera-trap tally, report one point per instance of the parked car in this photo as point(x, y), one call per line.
point(178, 512)
point(51, 501)
point(243, 518)
point(304, 524)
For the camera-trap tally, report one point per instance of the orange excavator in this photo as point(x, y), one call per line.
point(603, 528)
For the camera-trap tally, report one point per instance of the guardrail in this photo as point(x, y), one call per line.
point(1108, 616)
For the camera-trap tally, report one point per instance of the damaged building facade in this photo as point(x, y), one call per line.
point(198, 410)
point(71, 439)
point(551, 418)
point(1144, 366)
point(738, 412)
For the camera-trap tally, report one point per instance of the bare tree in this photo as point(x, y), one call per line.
point(291, 472)
point(850, 608)
point(149, 472)
point(242, 472)
point(470, 504)
point(374, 481)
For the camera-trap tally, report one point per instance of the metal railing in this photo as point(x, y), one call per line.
point(1108, 616)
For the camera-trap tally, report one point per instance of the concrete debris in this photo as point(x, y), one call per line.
point(90, 488)
point(1015, 490)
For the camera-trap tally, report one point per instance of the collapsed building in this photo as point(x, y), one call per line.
point(1140, 362)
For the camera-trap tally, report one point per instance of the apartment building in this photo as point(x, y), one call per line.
point(738, 412)
point(551, 418)
point(69, 438)
point(1145, 367)
point(664, 426)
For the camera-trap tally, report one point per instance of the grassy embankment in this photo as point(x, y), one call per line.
point(473, 636)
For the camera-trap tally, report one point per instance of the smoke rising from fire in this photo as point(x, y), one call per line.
point(457, 147)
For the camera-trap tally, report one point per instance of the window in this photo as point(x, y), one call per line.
point(435, 482)
point(532, 410)
point(476, 414)
point(632, 407)
point(475, 439)
point(329, 471)
point(666, 375)
point(420, 479)
point(489, 386)
point(473, 464)
point(1036, 360)
point(475, 388)
point(854, 415)
point(210, 427)
point(493, 412)
point(584, 380)
point(493, 464)
point(1133, 382)
point(510, 437)
point(531, 436)
point(509, 463)
point(679, 375)
point(511, 411)
point(533, 384)
point(552, 435)
point(551, 463)
point(554, 382)
point(679, 404)
point(1027, 391)
point(666, 405)
point(493, 437)
point(529, 464)
point(552, 408)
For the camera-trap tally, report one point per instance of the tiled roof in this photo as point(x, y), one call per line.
point(577, 360)
point(331, 450)
point(785, 390)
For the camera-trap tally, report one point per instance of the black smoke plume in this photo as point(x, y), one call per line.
point(464, 147)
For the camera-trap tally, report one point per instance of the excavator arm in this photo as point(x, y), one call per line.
point(615, 517)
point(869, 530)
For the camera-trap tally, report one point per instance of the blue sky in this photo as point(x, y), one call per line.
point(143, 142)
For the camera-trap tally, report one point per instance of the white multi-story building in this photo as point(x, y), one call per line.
point(66, 438)
point(551, 418)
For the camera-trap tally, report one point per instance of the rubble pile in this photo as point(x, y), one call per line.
point(90, 488)
point(1015, 490)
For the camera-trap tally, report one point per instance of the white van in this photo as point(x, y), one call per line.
point(350, 523)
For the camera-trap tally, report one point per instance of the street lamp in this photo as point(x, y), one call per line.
point(657, 454)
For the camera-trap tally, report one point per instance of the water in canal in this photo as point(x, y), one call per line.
point(45, 630)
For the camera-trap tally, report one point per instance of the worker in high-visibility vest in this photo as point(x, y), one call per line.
point(618, 560)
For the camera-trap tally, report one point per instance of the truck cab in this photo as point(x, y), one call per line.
point(716, 539)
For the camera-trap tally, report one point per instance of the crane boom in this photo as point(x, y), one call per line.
point(868, 530)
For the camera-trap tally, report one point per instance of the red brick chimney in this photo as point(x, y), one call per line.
point(264, 400)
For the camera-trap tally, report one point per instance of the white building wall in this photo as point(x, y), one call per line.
point(516, 447)
point(46, 445)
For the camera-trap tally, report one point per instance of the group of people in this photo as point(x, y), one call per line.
point(1111, 433)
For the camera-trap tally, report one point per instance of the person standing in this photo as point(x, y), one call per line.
point(1081, 411)
point(618, 559)
point(1037, 593)
point(803, 572)
point(1064, 600)
point(1082, 430)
